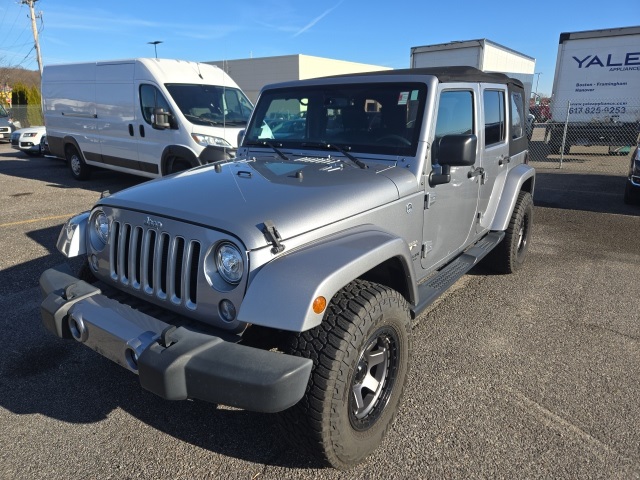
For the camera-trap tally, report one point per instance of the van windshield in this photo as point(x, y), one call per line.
point(3, 112)
point(376, 118)
point(211, 104)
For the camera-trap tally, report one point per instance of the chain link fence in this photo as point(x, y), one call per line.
point(26, 115)
point(597, 137)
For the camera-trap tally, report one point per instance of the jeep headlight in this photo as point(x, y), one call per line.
point(208, 140)
point(99, 230)
point(229, 263)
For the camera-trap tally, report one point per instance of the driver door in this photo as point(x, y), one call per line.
point(450, 208)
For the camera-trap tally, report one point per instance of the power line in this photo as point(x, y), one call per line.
point(12, 25)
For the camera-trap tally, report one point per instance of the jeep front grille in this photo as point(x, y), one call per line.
point(156, 263)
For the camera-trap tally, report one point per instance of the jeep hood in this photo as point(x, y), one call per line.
point(298, 196)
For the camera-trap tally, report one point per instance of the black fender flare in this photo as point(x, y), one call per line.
point(171, 152)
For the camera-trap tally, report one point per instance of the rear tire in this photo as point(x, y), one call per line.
point(510, 254)
point(79, 169)
point(360, 356)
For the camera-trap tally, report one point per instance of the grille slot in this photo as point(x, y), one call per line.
point(156, 263)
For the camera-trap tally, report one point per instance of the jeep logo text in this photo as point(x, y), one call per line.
point(149, 222)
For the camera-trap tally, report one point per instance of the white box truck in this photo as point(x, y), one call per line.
point(145, 116)
point(596, 89)
point(482, 54)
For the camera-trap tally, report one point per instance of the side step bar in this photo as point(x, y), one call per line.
point(430, 290)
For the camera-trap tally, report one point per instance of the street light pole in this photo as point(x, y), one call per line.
point(155, 46)
point(538, 80)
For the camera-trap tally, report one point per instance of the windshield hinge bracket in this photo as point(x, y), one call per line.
point(273, 236)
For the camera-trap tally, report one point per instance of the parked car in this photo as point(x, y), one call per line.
point(184, 114)
point(632, 187)
point(287, 279)
point(7, 125)
point(28, 140)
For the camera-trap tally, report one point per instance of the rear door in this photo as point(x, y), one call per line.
point(494, 151)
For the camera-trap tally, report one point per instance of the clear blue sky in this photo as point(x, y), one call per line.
point(379, 32)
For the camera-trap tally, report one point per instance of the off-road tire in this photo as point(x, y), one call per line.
point(363, 341)
point(510, 254)
point(79, 169)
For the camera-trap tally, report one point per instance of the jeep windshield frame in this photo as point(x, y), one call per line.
point(211, 105)
point(375, 118)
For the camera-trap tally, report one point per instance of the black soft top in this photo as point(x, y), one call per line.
point(445, 75)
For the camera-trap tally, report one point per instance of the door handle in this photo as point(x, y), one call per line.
point(475, 172)
point(142, 130)
point(502, 159)
point(131, 130)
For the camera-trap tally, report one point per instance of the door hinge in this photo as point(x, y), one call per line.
point(429, 199)
point(426, 248)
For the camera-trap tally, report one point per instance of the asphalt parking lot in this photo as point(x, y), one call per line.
point(530, 375)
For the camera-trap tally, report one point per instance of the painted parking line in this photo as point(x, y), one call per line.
point(34, 220)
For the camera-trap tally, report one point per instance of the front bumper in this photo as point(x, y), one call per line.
point(174, 363)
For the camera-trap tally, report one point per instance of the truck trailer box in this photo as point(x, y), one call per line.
point(482, 54)
point(145, 116)
point(596, 88)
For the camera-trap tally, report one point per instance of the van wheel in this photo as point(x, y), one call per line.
point(178, 165)
point(510, 254)
point(360, 356)
point(79, 169)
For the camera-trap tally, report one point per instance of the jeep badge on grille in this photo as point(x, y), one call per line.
point(151, 223)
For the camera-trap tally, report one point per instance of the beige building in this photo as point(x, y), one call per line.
point(251, 74)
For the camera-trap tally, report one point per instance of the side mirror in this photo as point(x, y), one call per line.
point(457, 150)
point(160, 119)
point(241, 136)
point(452, 151)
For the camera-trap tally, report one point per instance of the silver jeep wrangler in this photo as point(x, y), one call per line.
point(286, 280)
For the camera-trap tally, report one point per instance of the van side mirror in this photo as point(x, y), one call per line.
point(453, 151)
point(160, 119)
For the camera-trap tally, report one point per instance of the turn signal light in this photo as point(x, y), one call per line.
point(319, 304)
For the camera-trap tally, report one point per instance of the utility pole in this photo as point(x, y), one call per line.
point(33, 16)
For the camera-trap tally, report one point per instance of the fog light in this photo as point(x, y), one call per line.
point(227, 310)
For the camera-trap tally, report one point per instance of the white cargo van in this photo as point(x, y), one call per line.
point(146, 116)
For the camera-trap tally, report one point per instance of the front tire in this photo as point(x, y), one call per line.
point(360, 356)
point(178, 165)
point(510, 254)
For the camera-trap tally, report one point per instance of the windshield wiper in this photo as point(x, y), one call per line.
point(264, 143)
point(338, 148)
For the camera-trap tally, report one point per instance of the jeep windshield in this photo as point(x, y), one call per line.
point(3, 112)
point(211, 105)
point(370, 118)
